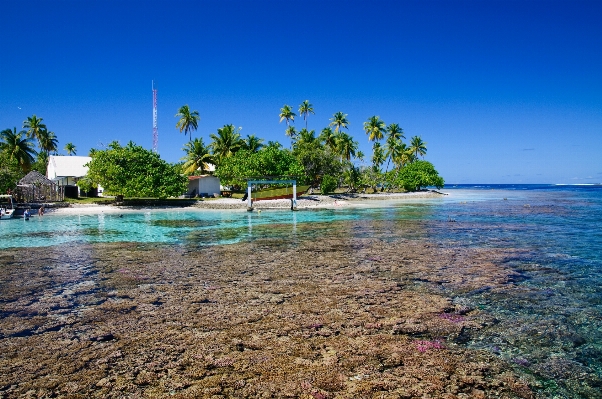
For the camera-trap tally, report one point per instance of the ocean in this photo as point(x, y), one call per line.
point(546, 324)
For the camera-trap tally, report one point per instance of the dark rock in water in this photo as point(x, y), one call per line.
point(103, 338)
point(464, 336)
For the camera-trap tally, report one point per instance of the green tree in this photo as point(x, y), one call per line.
point(287, 114)
point(317, 161)
point(292, 133)
point(269, 161)
point(225, 143)
point(374, 128)
point(41, 163)
point(19, 147)
point(394, 137)
point(329, 184)
point(10, 172)
point(378, 155)
point(417, 146)
point(197, 158)
point(133, 171)
point(339, 121)
point(48, 142)
point(189, 120)
point(70, 148)
point(34, 127)
point(345, 146)
point(305, 108)
point(252, 143)
point(328, 138)
point(419, 174)
point(304, 137)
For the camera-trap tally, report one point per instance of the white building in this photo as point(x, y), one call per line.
point(205, 185)
point(67, 170)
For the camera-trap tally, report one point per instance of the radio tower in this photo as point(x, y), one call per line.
point(155, 129)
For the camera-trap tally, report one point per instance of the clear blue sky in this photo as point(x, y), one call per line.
point(502, 91)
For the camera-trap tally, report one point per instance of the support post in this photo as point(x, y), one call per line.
point(249, 199)
point(294, 202)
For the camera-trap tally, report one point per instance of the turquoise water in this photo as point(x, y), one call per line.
point(549, 325)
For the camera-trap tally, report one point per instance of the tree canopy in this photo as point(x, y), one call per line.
point(133, 171)
point(419, 174)
point(269, 161)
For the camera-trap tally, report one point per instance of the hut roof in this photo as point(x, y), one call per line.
point(35, 177)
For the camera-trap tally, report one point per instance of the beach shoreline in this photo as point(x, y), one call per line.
point(303, 202)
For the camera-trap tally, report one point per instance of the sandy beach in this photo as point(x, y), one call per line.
point(304, 202)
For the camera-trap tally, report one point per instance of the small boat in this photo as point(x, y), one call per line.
point(7, 209)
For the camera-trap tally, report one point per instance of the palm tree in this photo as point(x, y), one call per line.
point(273, 144)
point(189, 121)
point(328, 138)
point(305, 137)
point(305, 108)
point(197, 157)
point(92, 152)
point(226, 142)
point(34, 127)
point(394, 136)
point(417, 146)
point(48, 141)
point(339, 120)
point(346, 146)
point(374, 128)
point(378, 155)
point(252, 143)
point(292, 133)
point(70, 148)
point(18, 146)
point(287, 114)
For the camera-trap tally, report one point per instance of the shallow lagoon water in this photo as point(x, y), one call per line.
point(548, 325)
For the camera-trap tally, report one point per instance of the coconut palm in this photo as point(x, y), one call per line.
point(189, 120)
point(305, 108)
point(339, 120)
point(197, 158)
point(34, 127)
point(48, 141)
point(374, 128)
point(417, 146)
point(378, 155)
point(252, 143)
point(70, 148)
point(394, 137)
point(305, 137)
point(287, 114)
point(92, 152)
point(226, 142)
point(18, 146)
point(327, 137)
point(346, 146)
point(292, 133)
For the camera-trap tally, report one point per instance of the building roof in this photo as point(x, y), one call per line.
point(191, 178)
point(34, 177)
point(67, 166)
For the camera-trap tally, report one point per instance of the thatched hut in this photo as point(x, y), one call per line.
point(35, 187)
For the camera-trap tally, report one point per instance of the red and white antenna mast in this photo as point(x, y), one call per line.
point(155, 128)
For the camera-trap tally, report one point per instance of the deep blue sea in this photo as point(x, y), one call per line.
point(550, 326)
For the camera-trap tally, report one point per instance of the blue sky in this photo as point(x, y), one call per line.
point(502, 91)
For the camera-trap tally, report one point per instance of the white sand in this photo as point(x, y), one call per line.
point(307, 201)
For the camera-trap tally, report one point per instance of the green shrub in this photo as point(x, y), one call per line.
point(329, 184)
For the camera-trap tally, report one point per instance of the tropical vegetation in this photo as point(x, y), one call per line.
point(133, 171)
